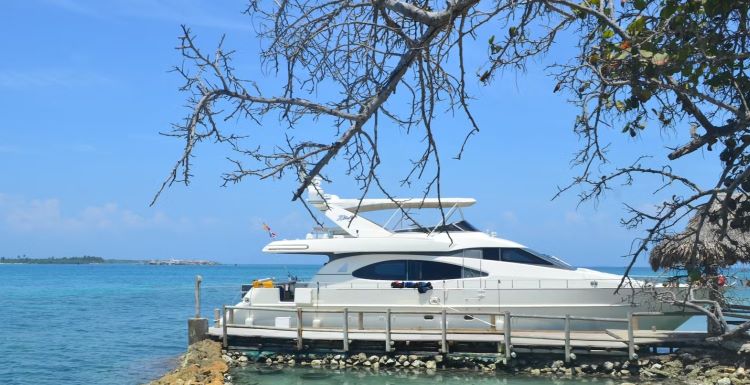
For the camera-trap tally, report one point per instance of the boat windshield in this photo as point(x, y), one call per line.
point(551, 258)
point(461, 225)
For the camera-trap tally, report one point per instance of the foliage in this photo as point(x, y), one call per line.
point(83, 260)
point(637, 65)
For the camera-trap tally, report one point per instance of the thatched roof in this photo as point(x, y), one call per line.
point(713, 250)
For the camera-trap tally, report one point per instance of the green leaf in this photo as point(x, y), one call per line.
point(640, 4)
point(637, 26)
point(608, 33)
point(668, 10)
point(646, 54)
point(660, 59)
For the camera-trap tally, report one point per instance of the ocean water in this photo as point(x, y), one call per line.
point(119, 324)
point(310, 376)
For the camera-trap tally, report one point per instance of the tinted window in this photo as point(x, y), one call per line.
point(401, 270)
point(428, 270)
point(491, 254)
point(522, 256)
point(386, 270)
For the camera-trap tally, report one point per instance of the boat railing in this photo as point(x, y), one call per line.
point(492, 284)
point(500, 324)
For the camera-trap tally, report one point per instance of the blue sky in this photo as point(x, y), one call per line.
point(85, 91)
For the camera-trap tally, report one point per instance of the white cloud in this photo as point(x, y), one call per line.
point(22, 215)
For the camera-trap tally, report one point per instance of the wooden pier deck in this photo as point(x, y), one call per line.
point(507, 342)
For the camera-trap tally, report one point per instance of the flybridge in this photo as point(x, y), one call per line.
point(345, 212)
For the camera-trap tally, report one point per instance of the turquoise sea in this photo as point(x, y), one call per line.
point(125, 324)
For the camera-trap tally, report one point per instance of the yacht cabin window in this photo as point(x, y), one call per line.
point(411, 270)
point(511, 254)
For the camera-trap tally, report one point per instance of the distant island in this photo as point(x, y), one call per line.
point(90, 260)
point(84, 260)
point(180, 262)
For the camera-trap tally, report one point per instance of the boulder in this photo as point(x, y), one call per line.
point(724, 381)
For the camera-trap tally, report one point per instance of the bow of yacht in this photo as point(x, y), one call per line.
point(451, 267)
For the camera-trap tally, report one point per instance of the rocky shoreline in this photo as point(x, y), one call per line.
point(689, 366)
point(207, 363)
point(202, 364)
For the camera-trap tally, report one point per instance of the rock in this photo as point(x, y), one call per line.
point(608, 366)
point(535, 372)
point(367, 363)
point(204, 363)
point(373, 358)
point(439, 358)
point(413, 357)
point(269, 361)
point(337, 357)
point(431, 364)
point(557, 364)
point(688, 358)
point(724, 381)
point(243, 359)
point(376, 365)
point(316, 363)
point(402, 359)
point(744, 349)
point(627, 383)
point(417, 363)
point(656, 366)
point(624, 372)
point(291, 362)
point(390, 362)
point(361, 357)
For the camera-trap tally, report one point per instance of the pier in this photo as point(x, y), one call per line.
point(504, 340)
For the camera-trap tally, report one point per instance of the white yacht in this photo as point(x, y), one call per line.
point(449, 266)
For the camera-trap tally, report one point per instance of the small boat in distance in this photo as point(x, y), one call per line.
point(451, 266)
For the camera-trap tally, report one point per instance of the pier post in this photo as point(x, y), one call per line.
point(631, 338)
point(567, 338)
point(388, 330)
point(299, 328)
point(217, 318)
point(198, 280)
point(360, 321)
point(444, 332)
point(197, 326)
point(224, 326)
point(506, 335)
point(346, 329)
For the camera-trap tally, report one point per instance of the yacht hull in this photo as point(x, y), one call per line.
point(465, 308)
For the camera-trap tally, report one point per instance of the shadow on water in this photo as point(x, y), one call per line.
point(264, 375)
